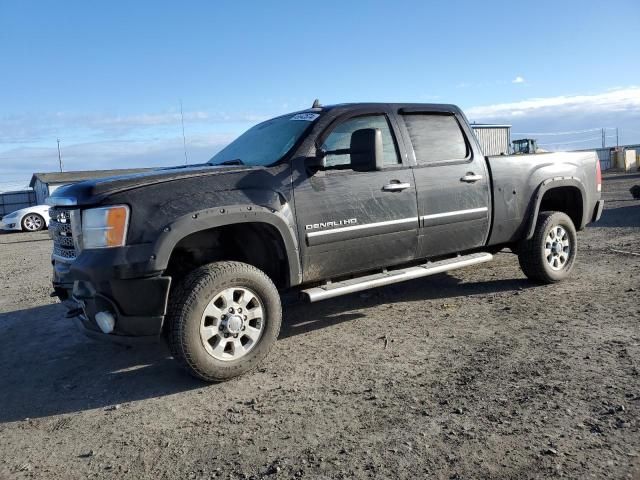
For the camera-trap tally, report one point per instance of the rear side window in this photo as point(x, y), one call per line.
point(435, 138)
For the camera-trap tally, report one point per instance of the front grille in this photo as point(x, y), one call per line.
point(61, 233)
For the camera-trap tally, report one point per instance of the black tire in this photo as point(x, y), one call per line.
point(186, 312)
point(534, 261)
point(33, 222)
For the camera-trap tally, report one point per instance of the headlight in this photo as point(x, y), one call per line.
point(105, 227)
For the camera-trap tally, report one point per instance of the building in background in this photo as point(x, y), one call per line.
point(44, 184)
point(493, 139)
point(16, 200)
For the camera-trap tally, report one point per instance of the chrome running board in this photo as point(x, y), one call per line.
point(352, 285)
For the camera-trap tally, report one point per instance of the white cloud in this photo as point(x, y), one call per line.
point(154, 139)
point(518, 79)
point(30, 128)
point(551, 116)
point(621, 100)
point(18, 164)
point(106, 141)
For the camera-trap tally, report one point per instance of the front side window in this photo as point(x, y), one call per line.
point(435, 138)
point(340, 138)
point(267, 142)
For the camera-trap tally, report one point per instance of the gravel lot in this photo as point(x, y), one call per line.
point(482, 375)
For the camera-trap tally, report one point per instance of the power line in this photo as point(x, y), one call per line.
point(559, 133)
point(575, 141)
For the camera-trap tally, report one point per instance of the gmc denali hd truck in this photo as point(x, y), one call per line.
point(326, 201)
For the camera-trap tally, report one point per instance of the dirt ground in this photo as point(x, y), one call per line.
point(483, 375)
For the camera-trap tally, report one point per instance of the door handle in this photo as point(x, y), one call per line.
point(471, 177)
point(395, 186)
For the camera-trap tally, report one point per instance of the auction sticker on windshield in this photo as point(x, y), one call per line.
point(308, 117)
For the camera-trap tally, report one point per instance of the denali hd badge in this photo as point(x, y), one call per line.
point(334, 223)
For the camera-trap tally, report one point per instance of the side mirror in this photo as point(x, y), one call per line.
point(366, 150)
point(319, 161)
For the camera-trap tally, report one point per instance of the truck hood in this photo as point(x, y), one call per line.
point(92, 191)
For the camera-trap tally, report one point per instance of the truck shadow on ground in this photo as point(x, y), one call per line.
point(620, 217)
point(302, 318)
point(49, 368)
point(620, 177)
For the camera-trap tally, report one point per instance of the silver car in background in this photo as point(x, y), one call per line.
point(30, 219)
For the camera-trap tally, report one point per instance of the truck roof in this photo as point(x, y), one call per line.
point(441, 107)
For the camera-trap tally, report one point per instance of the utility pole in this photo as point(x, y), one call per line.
point(603, 138)
point(59, 156)
point(184, 139)
point(617, 138)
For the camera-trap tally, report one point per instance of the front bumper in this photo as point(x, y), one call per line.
point(91, 330)
point(98, 281)
point(10, 224)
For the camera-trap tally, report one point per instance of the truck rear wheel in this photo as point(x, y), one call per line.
point(223, 320)
point(549, 255)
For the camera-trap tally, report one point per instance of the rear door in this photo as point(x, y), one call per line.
point(351, 221)
point(452, 182)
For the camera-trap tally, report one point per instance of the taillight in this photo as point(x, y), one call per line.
point(598, 176)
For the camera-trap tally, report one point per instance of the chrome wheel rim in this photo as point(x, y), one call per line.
point(557, 248)
point(32, 222)
point(232, 323)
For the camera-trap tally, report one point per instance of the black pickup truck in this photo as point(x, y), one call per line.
point(323, 202)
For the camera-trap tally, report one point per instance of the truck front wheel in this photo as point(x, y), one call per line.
point(223, 320)
point(549, 255)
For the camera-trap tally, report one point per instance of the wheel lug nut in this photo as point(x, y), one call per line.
point(235, 336)
point(245, 317)
point(226, 335)
point(231, 310)
point(221, 328)
point(239, 310)
point(244, 328)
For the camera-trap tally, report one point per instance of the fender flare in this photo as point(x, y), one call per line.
point(209, 218)
point(544, 187)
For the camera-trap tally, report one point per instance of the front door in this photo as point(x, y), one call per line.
point(352, 221)
point(452, 183)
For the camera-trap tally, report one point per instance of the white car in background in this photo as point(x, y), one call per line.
point(30, 219)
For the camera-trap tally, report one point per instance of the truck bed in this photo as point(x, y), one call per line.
point(516, 180)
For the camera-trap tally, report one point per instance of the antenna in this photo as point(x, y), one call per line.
point(316, 104)
point(59, 156)
point(184, 140)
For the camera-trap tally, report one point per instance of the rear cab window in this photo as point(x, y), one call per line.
point(436, 138)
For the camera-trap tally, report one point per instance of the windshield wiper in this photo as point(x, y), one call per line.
point(235, 161)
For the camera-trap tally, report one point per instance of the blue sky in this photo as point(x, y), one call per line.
point(107, 78)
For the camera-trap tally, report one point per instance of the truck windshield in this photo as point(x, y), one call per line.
point(267, 142)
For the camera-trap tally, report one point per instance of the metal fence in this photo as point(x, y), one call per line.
point(605, 154)
point(12, 201)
